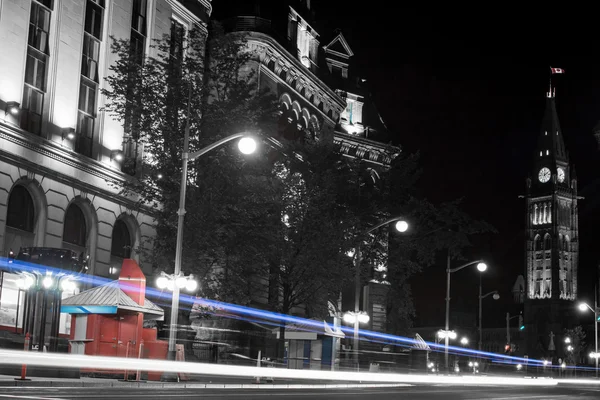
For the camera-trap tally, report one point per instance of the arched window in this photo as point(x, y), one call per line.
point(538, 243)
point(547, 242)
point(75, 229)
point(121, 240)
point(21, 213)
point(560, 242)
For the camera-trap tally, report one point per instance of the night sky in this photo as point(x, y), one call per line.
point(467, 90)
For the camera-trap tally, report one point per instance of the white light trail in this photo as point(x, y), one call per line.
point(53, 360)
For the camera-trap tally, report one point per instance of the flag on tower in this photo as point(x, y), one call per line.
point(557, 70)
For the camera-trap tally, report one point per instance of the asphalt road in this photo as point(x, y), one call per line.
point(413, 392)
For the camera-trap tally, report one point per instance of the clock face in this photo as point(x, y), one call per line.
point(561, 174)
point(544, 175)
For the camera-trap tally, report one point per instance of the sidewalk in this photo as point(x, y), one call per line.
point(209, 383)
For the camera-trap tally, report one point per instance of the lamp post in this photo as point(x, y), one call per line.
point(36, 285)
point(246, 145)
point(495, 296)
point(401, 226)
point(585, 307)
point(481, 266)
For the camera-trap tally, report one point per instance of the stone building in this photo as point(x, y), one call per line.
point(309, 67)
point(58, 151)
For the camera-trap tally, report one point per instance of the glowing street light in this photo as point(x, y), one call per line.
point(170, 282)
point(584, 307)
point(464, 341)
point(247, 145)
point(481, 267)
point(401, 226)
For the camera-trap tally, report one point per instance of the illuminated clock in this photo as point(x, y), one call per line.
point(561, 174)
point(544, 175)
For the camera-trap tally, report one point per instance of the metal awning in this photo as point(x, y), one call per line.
point(108, 299)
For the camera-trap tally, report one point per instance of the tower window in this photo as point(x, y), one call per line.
point(540, 153)
point(547, 152)
point(545, 133)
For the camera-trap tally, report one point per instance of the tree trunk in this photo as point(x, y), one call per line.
point(285, 308)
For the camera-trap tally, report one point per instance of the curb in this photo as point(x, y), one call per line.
point(155, 385)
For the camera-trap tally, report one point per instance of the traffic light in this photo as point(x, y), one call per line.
point(521, 324)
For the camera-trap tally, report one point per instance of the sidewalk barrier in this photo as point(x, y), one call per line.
point(24, 366)
point(180, 356)
point(257, 378)
point(138, 372)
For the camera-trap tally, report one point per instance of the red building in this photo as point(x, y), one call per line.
point(108, 320)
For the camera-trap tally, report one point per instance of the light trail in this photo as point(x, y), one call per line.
point(276, 318)
point(53, 360)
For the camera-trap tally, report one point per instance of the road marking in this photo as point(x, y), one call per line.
point(14, 396)
point(545, 397)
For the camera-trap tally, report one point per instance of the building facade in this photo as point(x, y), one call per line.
point(61, 156)
point(552, 241)
point(310, 70)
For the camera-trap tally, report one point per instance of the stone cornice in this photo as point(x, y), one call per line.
point(278, 52)
point(67, 157)
point(366, 149)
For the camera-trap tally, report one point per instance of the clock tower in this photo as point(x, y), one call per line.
point(552, 237)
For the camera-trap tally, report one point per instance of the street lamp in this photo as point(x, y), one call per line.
point(585, 307)
point(51, 288)
point(464, 341)
point(481, 267)
point(246, 145)
point(495, 296)
point(401, 226)
point(169, 282)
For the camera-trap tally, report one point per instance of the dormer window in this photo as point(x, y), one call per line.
point(304, 38)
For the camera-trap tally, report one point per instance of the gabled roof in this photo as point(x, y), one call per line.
point(420, 343)
point(107, 299)
point(339, 47)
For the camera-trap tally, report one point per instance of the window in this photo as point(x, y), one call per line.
point(11, 301)
point(121, 240)
point(86, 118)
point(177, 39)
point(93, 18)
point(33, 106)
point(89, 61)
point(89, 71)
point(138, 16)
point(85, 134)
point(35, 70)
point(132, 114)
point(75, 229)
point(39, 25)
point(35, 66)
point(20, 212)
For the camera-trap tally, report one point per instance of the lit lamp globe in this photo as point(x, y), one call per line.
point(481, 267)
point(363, 318)
point(162, 282)
point(191, 285)
point(181, 282)
point(247, 145)
point(47, 282)
point(401, 226)
point(583, 307)
point(496, 296)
